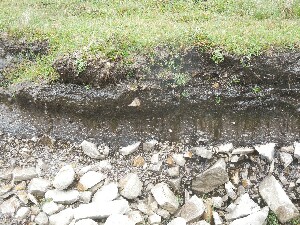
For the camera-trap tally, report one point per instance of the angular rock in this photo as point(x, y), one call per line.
point(89, 180)
point(242, 207)
point(267, 150)
point(163, 213)
point(136, 217)
point(211, 178)
point(22, 213)
point(192, 210)
point(203, 152)
point(10, 206)
point(230, 190)
point(297, 150)
point(149, 145)
point(85, 197)
point(173, 171)
point(130, 148)
point(278, 201)
point(64, 217)
point(5, 189)
point(179, 159)
point(64, 178)
point(286, 158)
point(107, 193)
point(63, 197)
point(86, 222)
point(130, 186)
point(257, 218)
point(225, 148)
point(202, 222)
point(242, 151)
point(154, 219)
point(217, 219)
point(41, 219)
point(165, 197)
point(178, 221)
point(118, 219)
point(38, 186)
point(51, 207)
point(100, 210)
point(217, 202)
point(90, 149)
point(20, 174)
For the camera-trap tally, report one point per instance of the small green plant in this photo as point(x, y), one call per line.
point(217, 56)
point(81, 65)
point(256, 89)
point(181, 79)
point(295, 221)
point(272, 219)
point(218, 99)
point(185, 94)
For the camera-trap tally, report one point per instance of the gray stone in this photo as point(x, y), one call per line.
point(130, 186)
point(63, 197)
point(5, 189)
point(242, 151)
point(10, 206)
point(278, 201)
point(173, 171)
point(149, 145)
point(51, 207)
point(64, 217)
point(217, 202)
point(163, 213)
point(118, 219)
point(38, 186)
point(175, 183)
point(202, 222)
point(242, 207)
point(297, 150)
point(130, 148)
point(192, 210)
point(177, 221)
point(86, 222)
point(22, 213)
point(257, 218)
point(90, 149)
point(165, 197)
point(211, 178)
point(20, 174)
point(107, 193)
point(267, 151)
point(64, 178)
point(89, 180)
point(286, 158)
point(179, 159)
point(100, 210)
point(41, 219)
point(203, 152)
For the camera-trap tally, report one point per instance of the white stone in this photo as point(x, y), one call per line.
point(257, 218)
point(64, 177)
point(118, 219)
point(278, 201)
point(107, 193)
point(165, 197)
point(217, 202)
point(163, 213)
point(155, 158)
point(192, 210)
point(10, 206)
point(154, 219)
point(217, 219)
point(242, 207)
point(100, 210)
point(130, 186)
point(85, 197)
point(90, 179)
point(203, 152)
point(38, 186)
point(242, 151)
point(130, 148)
point(178, 221)
point(51, 207)
point(90, 149)
point(149, 145)
point(173, 171)
point(63, 197)
point(86, 222)
point(297, 150)
point(41, 219)
point(202, 222)
point(135, 216)
point(20, 174)
point(179, 159)
point(22, 213)
point(267, 150)
point(229, 187)
point(64, 217)
point(286, 158)
point(225, 148)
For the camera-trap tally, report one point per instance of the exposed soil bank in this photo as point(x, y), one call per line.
point(253, 101)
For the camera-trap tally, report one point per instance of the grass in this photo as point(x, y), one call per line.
point(124, 28)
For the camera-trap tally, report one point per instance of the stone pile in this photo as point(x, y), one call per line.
point(225, 185)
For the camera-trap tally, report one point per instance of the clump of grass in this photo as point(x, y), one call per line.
point(272, 219)
point(124, 28)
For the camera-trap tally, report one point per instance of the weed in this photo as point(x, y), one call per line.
point(256, 89)
point(81, 65)
point(185, 94)
point(181, 79)
point(295, 221)
point(218, 99)
point(217, 56)
point(272, 219)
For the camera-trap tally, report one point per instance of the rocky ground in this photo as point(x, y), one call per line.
point(47, 181)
